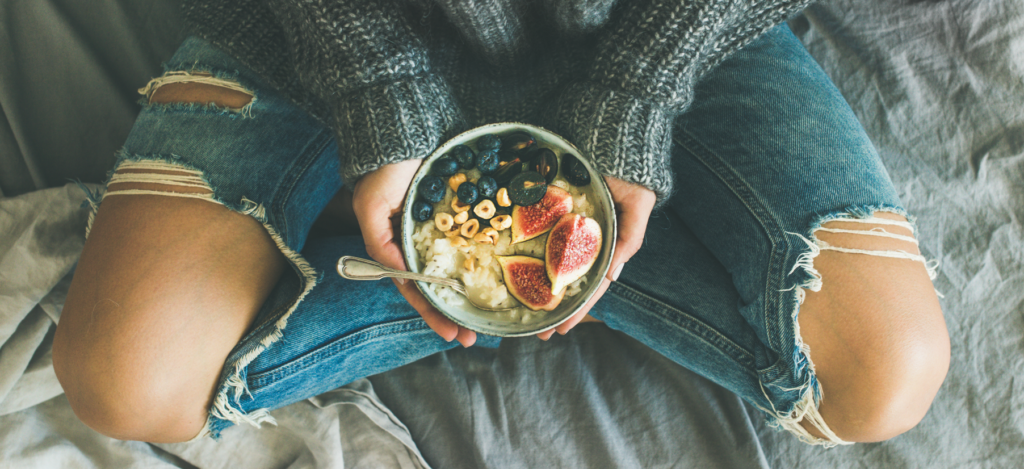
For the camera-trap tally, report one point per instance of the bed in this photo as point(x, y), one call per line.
point(939, 87)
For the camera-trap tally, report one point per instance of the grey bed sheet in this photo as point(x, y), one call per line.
point(938, 85)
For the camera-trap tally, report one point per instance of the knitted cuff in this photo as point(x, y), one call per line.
point(393, 122)
point(626, 137)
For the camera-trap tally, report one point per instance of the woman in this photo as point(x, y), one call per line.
point(198, 304)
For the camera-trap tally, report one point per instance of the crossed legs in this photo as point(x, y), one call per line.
point(167, 286)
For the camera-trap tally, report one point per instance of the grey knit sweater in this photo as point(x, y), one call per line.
point(396, 78)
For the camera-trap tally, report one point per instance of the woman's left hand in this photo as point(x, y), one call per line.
point(377, 200)
point(633, 205)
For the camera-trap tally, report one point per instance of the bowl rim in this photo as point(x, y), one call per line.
point(408, 224)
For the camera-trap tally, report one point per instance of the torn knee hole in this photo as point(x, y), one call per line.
point(881, 235)
point(197, 88)
point(872, 233)
point(156, 177)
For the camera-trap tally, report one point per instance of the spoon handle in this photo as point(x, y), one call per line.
point(357, 268)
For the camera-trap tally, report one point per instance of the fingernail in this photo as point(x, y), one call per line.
point(618, 270)
point(401, 281)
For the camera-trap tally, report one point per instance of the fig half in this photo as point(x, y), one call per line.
point(572, 248)
point(531, 221)
point(528, 282)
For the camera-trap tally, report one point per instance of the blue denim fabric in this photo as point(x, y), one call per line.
point(767, 152)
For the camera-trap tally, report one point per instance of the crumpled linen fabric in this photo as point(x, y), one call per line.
point(42, 237)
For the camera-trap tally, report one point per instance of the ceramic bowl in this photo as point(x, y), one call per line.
point(501, 324)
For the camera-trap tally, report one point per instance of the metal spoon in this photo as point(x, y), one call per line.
point(357, 268)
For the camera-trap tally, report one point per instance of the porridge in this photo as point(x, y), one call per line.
point(485, 216)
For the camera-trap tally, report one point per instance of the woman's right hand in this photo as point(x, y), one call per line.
point(377, 200)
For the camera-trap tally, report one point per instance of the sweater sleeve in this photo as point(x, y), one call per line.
point(650, 57)
point(371, 71)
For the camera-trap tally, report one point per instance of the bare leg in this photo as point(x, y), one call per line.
point(876, 333)
point(164, 289)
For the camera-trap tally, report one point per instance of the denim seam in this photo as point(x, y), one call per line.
point(779, 245)
point(695, 327)
point(279, 207)
point(333, 347)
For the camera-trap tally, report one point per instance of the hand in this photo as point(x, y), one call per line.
point(377, 200)
point(633, 204)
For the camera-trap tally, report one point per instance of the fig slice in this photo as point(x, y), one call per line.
point(528, 282)
point(531, 221)
point(572, 248)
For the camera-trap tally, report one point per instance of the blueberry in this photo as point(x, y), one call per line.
point(488, 187)
point(468, 193)
point(432, 189)
point(422, 210)
point(517, 141)
point(505, 173)
point(488, 142)
point(445, 166)
point(574, 171)
point(487, 161)
point(527, 188)
point(464, 155)
point(544, 162)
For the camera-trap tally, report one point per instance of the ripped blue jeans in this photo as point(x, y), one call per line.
point(768, 152)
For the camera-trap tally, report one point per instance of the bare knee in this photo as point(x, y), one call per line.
point(870, 403)
point(122, 393)
point(876, 333)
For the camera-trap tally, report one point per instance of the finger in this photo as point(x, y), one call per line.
point(546, 334)
point(634, 204)
point(437, 322)
point(466, 337)
point(379, 235)
point(576, 318)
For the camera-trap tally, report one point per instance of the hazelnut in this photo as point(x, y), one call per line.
point(461, 218)
point(501, 222)
point(484, 209)
point(502, 197)
point(452, 232)
point(490, 233)
point(469, 264)
point(455, 180)
point(470, 228)
point(483, 239)
point(458, 206)
point(443, 221)
point(457, 241)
